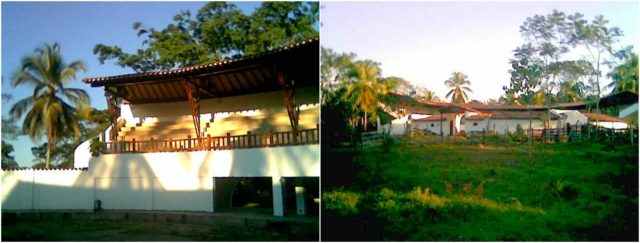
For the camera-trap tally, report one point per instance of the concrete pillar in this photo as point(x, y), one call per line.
point(278, 184)
point(301, 207)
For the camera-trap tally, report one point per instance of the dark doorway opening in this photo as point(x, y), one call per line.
point(243, 194)
point(451, 127)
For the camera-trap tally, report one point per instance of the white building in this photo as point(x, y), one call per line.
point(187, 139)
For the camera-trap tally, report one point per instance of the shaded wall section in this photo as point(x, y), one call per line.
point(152, 181)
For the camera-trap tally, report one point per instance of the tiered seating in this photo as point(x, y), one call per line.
point(239, 123)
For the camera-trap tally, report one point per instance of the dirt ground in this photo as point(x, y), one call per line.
point(105, 230)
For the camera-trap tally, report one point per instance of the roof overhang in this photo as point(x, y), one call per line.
point(241, 76)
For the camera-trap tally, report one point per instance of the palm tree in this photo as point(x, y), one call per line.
point(429, 96)
point(571, 91)
point(365, 89)
point(458, 84)
point(625, 76)
point(49, 111)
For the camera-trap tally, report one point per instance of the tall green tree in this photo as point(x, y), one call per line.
point(598, 39)
point(365, 90)
point(459, 86)
point(53, 109)
point(219, 30)
point(334, 70)
point(545, 34)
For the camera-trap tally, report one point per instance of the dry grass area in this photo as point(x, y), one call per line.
point(104, 230)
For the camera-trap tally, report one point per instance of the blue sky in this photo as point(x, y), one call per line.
point(423, 42)
point(78, 27)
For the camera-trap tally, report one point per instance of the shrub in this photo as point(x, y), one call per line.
point(563, 189)
point(343, 203)
point(95, 147)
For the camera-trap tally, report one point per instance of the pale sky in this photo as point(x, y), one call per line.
point(423, 42)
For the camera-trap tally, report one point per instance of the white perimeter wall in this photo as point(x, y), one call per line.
point(426, 125)
point(153, 181)
point(502, 125)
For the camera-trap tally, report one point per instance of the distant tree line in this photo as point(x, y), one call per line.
point(544, 69)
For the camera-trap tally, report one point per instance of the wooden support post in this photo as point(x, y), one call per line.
point(133, 145)
point(208, 141)
point(189, 142)
point(194, 105)
point(249, 139)
point(288, 91)
point(270, 138)
point(228, 140)
point(114, 113)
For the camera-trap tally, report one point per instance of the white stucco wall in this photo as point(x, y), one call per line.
point(502, 125)
point(426, 125)
point(153, 181)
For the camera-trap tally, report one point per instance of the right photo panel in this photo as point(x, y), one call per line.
point(479, 121)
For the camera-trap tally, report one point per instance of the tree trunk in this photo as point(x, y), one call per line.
point(365, 121)
point(48, 162)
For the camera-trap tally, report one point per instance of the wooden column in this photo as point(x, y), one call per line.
point(114, 113)
point(194, 105)
point(288, 91)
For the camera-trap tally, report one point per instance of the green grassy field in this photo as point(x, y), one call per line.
point(415, 191)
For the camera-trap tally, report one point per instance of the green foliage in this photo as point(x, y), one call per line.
point(625, 75)
point(568, 192)
point(459, 86)
point(540, 66)
point(8, 160)
point(62, 152)
point(342, 202)
point(219, 30)
point(95, 147)
point(52, 110)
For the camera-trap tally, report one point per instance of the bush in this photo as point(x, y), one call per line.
point(95, 147)
point(343, 203)
point(563, 189)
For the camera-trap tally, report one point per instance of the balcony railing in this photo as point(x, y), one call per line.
point(271, 139)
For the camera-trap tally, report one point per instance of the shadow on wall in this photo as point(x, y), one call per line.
point(165, 181)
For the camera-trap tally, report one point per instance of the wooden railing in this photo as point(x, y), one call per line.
point(271, 139)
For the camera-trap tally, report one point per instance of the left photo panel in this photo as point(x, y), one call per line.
point(160, 121)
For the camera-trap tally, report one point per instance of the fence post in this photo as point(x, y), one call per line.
point(189, 142)
point(270, 138)
point(483, 136)
point(613, 134)
point(208, 141)
point(249, 139)
point(229, 140)
point(133, 145)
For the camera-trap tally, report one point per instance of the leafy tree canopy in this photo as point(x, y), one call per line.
point(219, 30)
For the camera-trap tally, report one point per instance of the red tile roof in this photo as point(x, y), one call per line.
point(602, 117)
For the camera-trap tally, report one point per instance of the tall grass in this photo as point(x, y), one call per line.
point(418, 191)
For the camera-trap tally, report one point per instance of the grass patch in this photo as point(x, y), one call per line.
point(462, 191)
